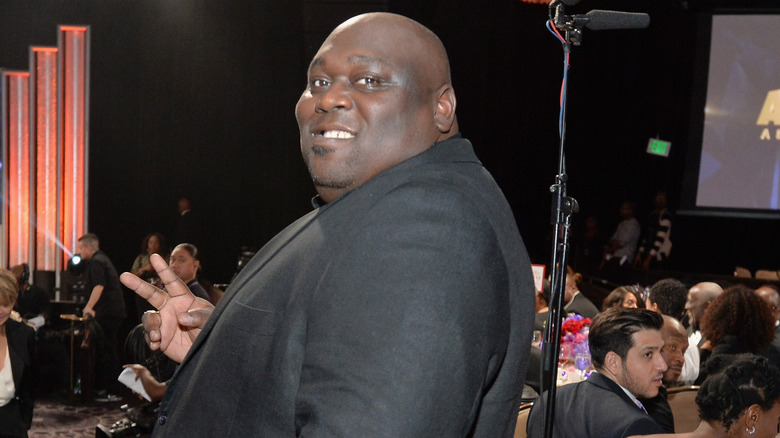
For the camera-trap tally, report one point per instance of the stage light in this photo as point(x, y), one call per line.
point(76, 265)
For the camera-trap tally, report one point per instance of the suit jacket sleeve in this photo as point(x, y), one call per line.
point(409, 323)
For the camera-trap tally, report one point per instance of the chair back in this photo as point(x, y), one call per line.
point(522, 420)
point(766, 274)
point(682, 400)
point(741, 272)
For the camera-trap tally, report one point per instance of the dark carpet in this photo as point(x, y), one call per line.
point(55, 416)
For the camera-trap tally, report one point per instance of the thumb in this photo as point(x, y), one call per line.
point(194, 318)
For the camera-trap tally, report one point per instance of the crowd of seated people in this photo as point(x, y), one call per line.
point(703, 326)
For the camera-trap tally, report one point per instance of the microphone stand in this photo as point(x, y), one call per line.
point(563, 207)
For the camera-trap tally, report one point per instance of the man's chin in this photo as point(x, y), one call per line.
point(651, 393)
point(329, 182)
point(671, 379)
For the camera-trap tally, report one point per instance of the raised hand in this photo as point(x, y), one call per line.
point(180, 314)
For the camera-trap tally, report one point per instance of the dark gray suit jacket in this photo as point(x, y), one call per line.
point(581, 305)
point(16, 417)
point(402, 309)
point(595, 408)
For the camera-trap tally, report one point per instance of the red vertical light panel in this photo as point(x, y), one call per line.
point(16, 173)
point(74, 92)
point(43, 66)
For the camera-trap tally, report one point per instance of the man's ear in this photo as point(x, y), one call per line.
point(613, 363)
point(654, 307)
point(444, 115)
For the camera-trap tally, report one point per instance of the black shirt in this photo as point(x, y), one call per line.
point(101, 272)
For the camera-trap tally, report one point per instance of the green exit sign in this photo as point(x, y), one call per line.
point(660, 147)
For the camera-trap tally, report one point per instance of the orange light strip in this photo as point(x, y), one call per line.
point(66, 28)
point(44, 116)
point(74, 80)
point(16, 148)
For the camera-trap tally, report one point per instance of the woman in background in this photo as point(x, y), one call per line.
point(17, 343)
point(738, 321)
point(624, 296)
point(152, 244)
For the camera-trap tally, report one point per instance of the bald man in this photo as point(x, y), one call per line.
point(400, 307)
point(771, 295)
point(699, 298)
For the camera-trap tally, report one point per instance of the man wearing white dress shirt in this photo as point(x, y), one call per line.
point(699, 298)
point(771, 295)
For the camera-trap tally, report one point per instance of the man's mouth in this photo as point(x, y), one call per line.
point(335, 133)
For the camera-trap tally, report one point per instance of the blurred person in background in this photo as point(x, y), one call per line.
point(738, 321)
point(628, 297)
point(17, 345)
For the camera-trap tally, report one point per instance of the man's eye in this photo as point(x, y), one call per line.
point(318, 83)
point(369, 82)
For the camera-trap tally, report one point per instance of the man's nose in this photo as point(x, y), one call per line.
point(335, 97)
point(661, 363)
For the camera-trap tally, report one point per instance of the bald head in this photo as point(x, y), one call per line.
point(771, 296)
point(379, 93)
point(423, 49)
point(699, 298)
point(675, 344)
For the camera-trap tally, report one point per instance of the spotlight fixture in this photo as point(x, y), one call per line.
point(76, 265)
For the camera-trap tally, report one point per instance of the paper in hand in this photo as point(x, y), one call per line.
point(128, 378)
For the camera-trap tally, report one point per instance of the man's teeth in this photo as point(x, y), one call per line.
point(337, 134)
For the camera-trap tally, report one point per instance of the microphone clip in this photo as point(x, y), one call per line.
point(596, 19)
point(571, 25)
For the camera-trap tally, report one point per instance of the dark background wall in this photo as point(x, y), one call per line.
point(196, 99)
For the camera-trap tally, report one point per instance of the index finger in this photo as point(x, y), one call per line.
point(174, 285)
point(155, 296)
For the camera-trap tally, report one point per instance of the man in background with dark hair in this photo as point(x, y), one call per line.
point(625, 347)
point(668, 297)
point(575, 301)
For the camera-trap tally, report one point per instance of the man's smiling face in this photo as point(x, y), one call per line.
point(368, 106)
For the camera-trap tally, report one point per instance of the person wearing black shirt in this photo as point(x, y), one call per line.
point(106, 305)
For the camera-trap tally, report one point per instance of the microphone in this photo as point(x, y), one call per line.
point(605, 20)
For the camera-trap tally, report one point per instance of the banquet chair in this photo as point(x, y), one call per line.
point(522, 420)
point(741, 272)
point(682, 402)
point(766, 274)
